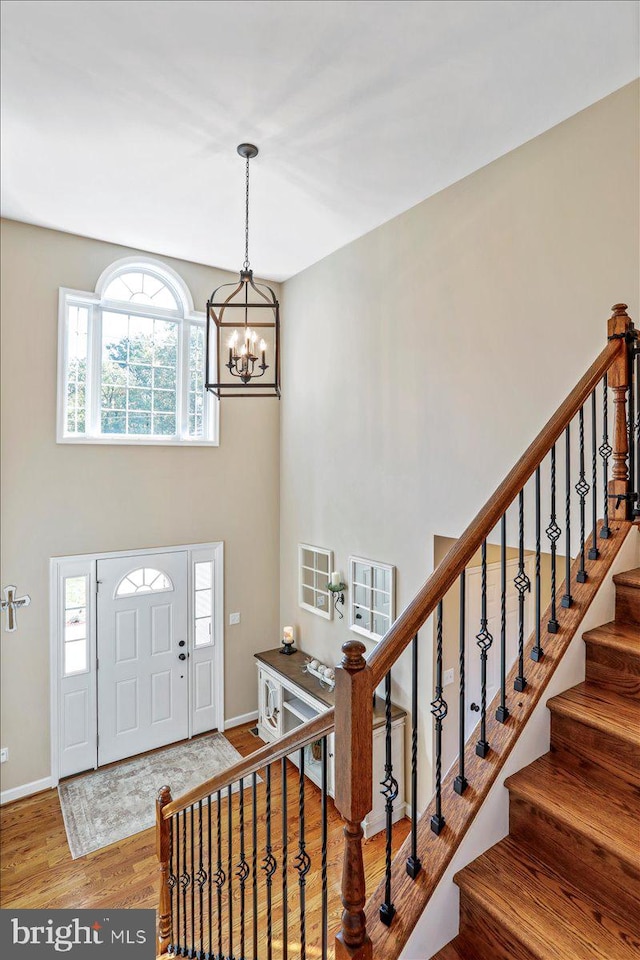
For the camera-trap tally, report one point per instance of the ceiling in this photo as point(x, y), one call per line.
point(121, 119)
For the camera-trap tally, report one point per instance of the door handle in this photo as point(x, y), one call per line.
point(181, 643)
point(182, 656)
point(475, 708)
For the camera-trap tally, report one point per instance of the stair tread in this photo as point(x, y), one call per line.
point(542, 910)
point(621, 636)
point(601, 708)
point(605, 811)
point(630, 578)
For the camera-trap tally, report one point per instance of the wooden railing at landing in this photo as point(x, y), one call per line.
point(357, 678)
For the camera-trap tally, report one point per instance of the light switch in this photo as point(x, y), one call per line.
point(233, 619)
point(448, 677)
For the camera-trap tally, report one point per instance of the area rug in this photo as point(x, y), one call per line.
point(105, 806)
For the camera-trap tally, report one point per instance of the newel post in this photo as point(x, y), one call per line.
point(620, 327)
point(354, 795)
point(163, 848)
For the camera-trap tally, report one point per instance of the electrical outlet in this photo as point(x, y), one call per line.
point(4, 754)
point(448, 677)
point(320, 601)
point(233, 619)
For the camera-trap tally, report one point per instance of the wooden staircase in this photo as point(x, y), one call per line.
point(565, 883)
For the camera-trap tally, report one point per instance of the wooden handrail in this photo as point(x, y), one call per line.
point(424, 603)
point(302, 736)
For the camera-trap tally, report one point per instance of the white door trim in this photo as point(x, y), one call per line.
point(56, 566)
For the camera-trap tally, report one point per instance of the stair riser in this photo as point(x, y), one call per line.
point(587, 865)
point(483, 937)
point(574, 739)
point(627, 604)
point(614, 669)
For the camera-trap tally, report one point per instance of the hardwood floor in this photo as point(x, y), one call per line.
point(37, 869)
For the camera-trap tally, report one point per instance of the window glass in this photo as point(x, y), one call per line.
point(143, 288)
point(76, 373)
point(313, 579)
point(144, 580)
point(147, 360)
point(203, 602)
point(371, 596)
point(75, 625)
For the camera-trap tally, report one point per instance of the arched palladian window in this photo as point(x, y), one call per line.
point(131, 360)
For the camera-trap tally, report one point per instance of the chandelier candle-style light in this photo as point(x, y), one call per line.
point(243, 327)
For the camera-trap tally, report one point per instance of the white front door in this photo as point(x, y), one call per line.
point(142, 653)
point(473, 687)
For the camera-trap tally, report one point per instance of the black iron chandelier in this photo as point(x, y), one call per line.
point(243, 327)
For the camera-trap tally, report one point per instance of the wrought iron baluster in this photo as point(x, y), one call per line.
point(210, 875)
point(484, 641)
point(460, 782)
point(553, 532)
point(439, 711)
point(285, 857)
point(605, 452)
point(523, 585)
point(582, 489)
point(537, 653)
point(636, 509)
point(325, 889)
point(594, 553)
point(302, 860)
point(184, 883)
point(631, 429)
point(254, 860)
point(243, 869)
point(193, 888)
point(636, 355)
point(219, 877)
point(201, 879)
point(413, 862)
point(230, 870)
point(174, 872)
point(502, 712)
point(389, 792)
point(567, 599)
point(269, 865)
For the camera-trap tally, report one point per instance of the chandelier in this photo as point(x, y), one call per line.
point(243, 327)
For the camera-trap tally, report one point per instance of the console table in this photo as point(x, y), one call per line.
point(288, 695)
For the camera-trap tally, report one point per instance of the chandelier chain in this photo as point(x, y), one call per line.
point(246, 220)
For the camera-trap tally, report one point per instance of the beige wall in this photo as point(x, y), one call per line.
point(420, 360)
point(60, 499)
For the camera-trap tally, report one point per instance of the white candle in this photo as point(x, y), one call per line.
point(335, 579)
point(287, 634)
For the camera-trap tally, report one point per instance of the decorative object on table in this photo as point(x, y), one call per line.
point(326, 675)
point(237, 315)
point(337, 587)
point(288, 640)
point(107, 805)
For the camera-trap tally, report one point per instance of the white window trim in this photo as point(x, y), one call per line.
point(85, 564)
point(186, 315)
point(375, 565)
point(325, 614)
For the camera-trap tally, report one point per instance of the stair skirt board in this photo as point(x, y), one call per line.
point(425, 930)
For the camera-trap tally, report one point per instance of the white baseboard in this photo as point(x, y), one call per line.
point(16, 793)
point(238, 721)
